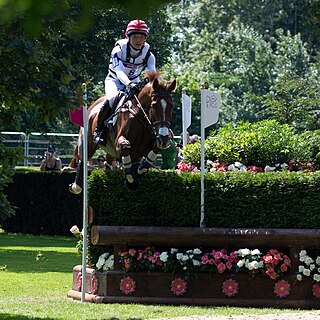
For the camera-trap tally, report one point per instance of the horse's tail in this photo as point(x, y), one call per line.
point(75, 158)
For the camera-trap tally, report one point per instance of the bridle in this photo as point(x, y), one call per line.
point(161, 96)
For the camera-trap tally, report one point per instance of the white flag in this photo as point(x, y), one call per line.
point(186, 111)
point(210, 107)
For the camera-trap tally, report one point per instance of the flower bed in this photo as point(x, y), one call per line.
point(289, 277)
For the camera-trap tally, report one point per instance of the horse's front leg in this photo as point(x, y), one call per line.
point(147, 161)
point(76, 186)
point(124, 146)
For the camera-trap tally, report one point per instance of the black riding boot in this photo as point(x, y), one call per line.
point(105, 109)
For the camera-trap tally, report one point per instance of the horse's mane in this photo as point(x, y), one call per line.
point(152, 75)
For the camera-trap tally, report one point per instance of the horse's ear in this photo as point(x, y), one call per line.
point(172, 86)
point(155, 84)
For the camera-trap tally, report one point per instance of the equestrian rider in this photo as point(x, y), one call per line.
point(129, 58)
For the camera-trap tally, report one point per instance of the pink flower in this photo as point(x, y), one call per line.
point(221, 267)
point(127, 285)
point(283, 268)
point(255, 169)
point(205, 259)
point(230, 287)
point(79, 281)
point(316, 290)
point(178, 286)
point(154, 258)
point(94, 284)
point(282, 288)
point(132, 252)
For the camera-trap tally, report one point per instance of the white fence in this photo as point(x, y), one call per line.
point(35, 143)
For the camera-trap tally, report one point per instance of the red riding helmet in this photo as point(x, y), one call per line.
point(137, 26)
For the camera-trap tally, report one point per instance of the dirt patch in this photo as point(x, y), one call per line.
point(312, 315)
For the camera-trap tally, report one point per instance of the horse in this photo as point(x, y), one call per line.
point(140, 128)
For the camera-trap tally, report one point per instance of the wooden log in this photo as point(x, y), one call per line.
point(214, 237)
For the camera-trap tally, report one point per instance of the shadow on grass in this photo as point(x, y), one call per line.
point(7, 316)
point(37, 261)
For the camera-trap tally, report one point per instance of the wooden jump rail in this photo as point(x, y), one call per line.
point(206, 288)
point(186, 236)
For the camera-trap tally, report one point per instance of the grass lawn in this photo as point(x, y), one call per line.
point(36, 274)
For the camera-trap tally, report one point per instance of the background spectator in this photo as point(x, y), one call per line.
point(50, 161)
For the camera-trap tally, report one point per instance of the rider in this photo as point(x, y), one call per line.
point(129, 58)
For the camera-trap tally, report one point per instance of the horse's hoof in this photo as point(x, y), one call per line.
point(74, 188)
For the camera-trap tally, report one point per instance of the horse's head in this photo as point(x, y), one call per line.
point(161, 111)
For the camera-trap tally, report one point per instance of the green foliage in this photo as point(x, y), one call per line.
point(262, 143)
point(231, 56)
point(8, 159)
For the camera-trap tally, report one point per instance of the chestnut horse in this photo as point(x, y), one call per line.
point(140, 128)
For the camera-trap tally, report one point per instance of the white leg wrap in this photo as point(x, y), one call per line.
point(126, 161)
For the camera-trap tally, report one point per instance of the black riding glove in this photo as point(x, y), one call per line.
point(132, 89)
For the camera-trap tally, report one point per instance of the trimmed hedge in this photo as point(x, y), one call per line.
point(165, 198)
point(232, 199)
point(43, 203)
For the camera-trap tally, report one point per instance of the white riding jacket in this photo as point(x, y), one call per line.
point(126, 65)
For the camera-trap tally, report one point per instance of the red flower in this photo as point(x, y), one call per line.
point(230, 287)
point(316, 290)
point(221, 267)
point(282, 288)
point(178, 287)
point(127, 285)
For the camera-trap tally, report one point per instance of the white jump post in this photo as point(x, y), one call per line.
point(85, 192)
point(210, 106)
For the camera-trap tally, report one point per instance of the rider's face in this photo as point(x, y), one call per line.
point(137, 40)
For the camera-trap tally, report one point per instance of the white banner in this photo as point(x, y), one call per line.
point(186, 116)
point(186, 110)
point(210, 107)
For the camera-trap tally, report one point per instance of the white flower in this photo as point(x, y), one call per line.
point(109, 263)
point(164, 256)
point(244, 252)
point(302, 253)
point(303, 258)
point(319, 270)
point(75, 230)
point(179, 256)
point(284, 165)
point(173, 250)
point(254, 264)
point(238, 164)
point(185, 268)
point(269, 169)
point(232, 167)
point(301, 268)
point(299, 277)
point(196, 262)
point(243, 169)
point(185, 257)
point(240, 263)
point(306, 272)
point(312, 266)
point(100, 263)
point(255, 252)
point(318, 260)
point(316, 277)
point(105, 255)
point(308, 261)
point(197, 251)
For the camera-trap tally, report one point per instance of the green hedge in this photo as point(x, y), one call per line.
point(232, 199)
point(43, 203)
